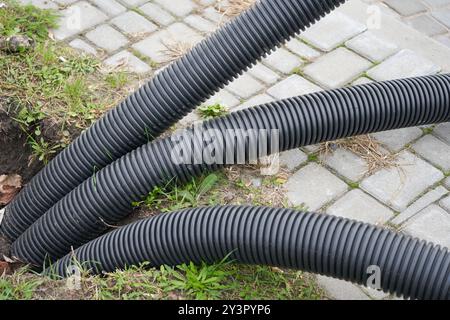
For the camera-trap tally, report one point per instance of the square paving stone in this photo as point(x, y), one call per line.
point(302, 49)
point(155, 46)
point(437, 3)
point(110, 7)
point(157, 14)
point(266, 75)
point(427, 25)
point(431, 224)
point(83, 46)
point(107, 38)
point(443, 16)
point(337, 68)
point(406, 8)
point(245, 86)
point(134, 24)
point(346, 163)
point(443, 131)
point(313, 186)
point(42, 4)
point(201, 24)
point(283, 61)
point(435, 151)
point(127, 61)
point(77, 18)
point(357, 205)
point(292, 159)
point(447, 183)
point(445, 203)
point(224, 98)
point(420, 204)
point(372, 47)
point(332, 31)
point(179, 8)
point(292, 86)
point(254, 101)
point(340, 289)
point(404, 64)
point(398, 186)
point(396, 140)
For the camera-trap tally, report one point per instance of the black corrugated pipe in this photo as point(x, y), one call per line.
point(160, 103)
point(312, 242)
point(107, 197)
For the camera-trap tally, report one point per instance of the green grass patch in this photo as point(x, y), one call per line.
point(212, 111)
point(52, 81)
point(26, 20)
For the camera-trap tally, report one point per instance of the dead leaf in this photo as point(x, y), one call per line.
point(4, 268)
point(10, 185)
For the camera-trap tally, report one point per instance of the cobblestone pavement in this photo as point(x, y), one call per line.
point(432, 17)
point(358, 43)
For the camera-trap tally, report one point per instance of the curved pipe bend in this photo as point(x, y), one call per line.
point(312, 242)
point(160, 103)
point(106, 198)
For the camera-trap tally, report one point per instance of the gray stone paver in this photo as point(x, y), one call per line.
point(292, 86)
point(338, 51)
point(372, 47)
point(346, 163)
point(432, 224)
point(341, 290)
point(420, 204)
point(443, 131)
point(132, 23)
point(332, 31)
point(106, 37)
point(431, 17)
point(157, 14)
point(396, 140)
point(404, 64)
point(110, 7)
point(337, 68)
point(292, 159)
point(357, 205)
point(78, 18)
point(445, 203)
point(447, 183)
point(283, 61)
point(125, 60)
point(434, 150)
point(399, 186)
point(313, 187)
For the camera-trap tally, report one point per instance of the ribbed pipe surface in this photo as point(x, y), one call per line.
point(312, 242)
point(106, 197)
point(160, 103)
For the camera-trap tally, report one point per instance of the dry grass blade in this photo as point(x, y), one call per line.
point(365, 147)
point(234, 8)
point(175, 50)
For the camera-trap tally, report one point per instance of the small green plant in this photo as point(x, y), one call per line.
point(28, 116)
point(42, 150)
point(16, 19)
point(212, 111)
point(199, 282)
point(170, 198)
point(428, 130)
point(75, 91)
point(117, 80)
point(313, 157)
point(353, 185)
point(18, 287)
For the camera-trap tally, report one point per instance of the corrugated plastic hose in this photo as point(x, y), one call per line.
point(312, 242)
point(107, 197)
point(160, 103)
